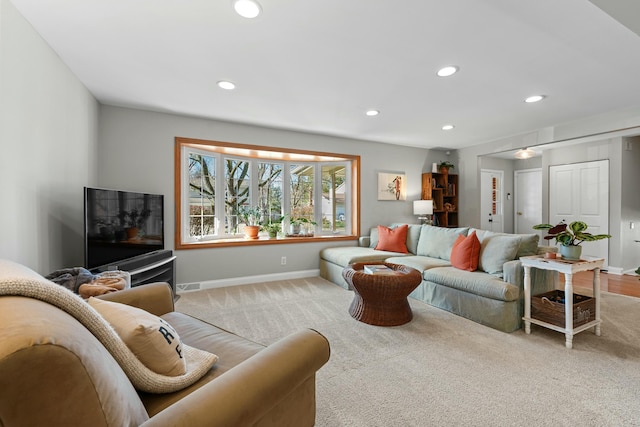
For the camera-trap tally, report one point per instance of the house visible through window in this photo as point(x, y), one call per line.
point(217, 181)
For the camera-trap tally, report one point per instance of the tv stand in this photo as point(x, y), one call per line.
point(158, 266)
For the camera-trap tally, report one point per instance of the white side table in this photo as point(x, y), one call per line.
point(568, 268)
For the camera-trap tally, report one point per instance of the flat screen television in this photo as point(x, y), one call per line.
point(120, 225)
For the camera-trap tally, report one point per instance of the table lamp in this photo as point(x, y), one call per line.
point(424, 210)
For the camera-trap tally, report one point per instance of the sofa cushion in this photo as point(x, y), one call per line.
point(465, 252)
point(346, 255)
point(420, 263)
point(437, 242)
point(392, 239)
point(154, 341)
point(528, 242)
point(497, 249)
point(413, 236)
point(475, 282)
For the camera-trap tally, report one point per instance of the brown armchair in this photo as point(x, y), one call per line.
point(53, 371)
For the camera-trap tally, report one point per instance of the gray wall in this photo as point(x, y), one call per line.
point(595, 138)
point(50, 126)
point(136, 152)
point(630, 209)
point(48, 134)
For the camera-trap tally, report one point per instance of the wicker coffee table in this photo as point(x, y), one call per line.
point(381, 299)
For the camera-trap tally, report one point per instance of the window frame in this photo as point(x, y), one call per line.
point(258, 154)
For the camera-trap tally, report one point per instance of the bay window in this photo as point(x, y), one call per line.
point(216, 181)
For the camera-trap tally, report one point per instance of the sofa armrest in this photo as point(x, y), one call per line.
point(541, 280)
point(156, 298)
point(244, 394)
point(364, 241)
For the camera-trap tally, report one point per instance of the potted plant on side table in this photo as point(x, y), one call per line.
point(570, 237)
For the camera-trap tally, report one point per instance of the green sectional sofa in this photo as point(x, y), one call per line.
point(493, 295)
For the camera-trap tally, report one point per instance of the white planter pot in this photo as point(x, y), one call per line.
point(571, 252)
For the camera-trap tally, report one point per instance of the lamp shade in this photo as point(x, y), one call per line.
point(423, 207)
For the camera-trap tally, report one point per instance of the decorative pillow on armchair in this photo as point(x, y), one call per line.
point(154, 342)
point(392, 239)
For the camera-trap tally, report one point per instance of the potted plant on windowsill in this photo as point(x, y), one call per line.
point(273, 228)
point(570, 237)
point(250, 216)
point(301, 227)
point(444, 167)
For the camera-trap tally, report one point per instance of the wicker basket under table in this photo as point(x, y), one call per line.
point(381, 299)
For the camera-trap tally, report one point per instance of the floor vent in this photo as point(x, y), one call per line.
point(188, 286)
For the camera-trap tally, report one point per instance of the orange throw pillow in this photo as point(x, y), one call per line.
point(466, 252)
point(393, 239)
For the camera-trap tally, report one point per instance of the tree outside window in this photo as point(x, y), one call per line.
point(220, 180)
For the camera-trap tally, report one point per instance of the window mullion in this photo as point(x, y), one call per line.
point(286, 197)
point(220, 205)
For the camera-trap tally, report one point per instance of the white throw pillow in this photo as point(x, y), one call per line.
point(154, 341)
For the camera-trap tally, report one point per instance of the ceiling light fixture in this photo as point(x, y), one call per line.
point(527, 153)
point(223, 84)
point(447, 127)
point(447, 71)
point(534, 98)
point(372, 113)
point(247, 8)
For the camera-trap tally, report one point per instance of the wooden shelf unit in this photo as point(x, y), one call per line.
point(442, 188)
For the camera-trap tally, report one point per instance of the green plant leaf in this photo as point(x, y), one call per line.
point(542, 226)
point(564, 239)
point(578, 226)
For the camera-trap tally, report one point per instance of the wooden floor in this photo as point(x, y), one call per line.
point(617, 284)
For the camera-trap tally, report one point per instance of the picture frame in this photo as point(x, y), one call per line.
point(392, 186)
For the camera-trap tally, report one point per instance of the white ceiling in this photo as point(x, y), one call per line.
point(317, 65)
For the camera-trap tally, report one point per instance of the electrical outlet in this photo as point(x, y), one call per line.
point(283, 260)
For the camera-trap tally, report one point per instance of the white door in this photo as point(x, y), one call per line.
point(580, 192)
point(491, 200)
point(527, 200)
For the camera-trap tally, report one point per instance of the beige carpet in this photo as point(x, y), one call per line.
point(441, 369)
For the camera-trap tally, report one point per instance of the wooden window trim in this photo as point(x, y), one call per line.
point(285, 154)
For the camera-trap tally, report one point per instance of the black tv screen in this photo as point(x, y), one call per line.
point(121, 225)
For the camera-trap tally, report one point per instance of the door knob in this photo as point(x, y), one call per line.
point(519, 213)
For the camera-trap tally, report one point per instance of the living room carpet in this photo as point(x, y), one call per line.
point(442, 369)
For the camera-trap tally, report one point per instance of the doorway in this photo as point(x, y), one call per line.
point(528, 198)
point(492, 200)
point(580, 192)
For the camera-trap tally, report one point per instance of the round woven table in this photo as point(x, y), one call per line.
point(381, 299)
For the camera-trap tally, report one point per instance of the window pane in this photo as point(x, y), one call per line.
point(218, 179)
point(201, 195)
point(270, 181)
point(333, 198)
point(237, 194)
point(301, 193)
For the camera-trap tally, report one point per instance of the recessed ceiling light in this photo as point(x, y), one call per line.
point(447, 71)
point(247, 8)
point(226, 85)
point(534, 98)
point(447, 127)
point(372, 113)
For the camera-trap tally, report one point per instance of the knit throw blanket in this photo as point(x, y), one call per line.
point(18, 280)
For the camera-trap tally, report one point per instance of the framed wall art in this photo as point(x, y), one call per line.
point(391, 186)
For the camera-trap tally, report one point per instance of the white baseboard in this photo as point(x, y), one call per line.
point(615, 270)
point(246, 280)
